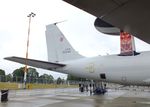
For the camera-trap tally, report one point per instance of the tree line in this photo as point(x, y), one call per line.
point(33, 77)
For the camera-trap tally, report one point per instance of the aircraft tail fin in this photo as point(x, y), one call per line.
point(59, 49)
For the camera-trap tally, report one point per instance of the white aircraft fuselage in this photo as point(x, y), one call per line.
point(127, 70)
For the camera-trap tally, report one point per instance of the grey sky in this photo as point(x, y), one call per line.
point(78, 29)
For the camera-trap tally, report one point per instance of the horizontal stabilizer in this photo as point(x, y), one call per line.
point(36, 63)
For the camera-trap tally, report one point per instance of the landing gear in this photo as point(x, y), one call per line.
point(99, 91)
point(95, 88)
point(100, 88)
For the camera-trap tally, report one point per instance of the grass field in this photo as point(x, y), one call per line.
point(15, 86)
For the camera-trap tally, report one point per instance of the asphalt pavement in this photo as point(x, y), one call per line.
point(71, 97)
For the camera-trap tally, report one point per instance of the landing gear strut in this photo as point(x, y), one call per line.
point(100, 88)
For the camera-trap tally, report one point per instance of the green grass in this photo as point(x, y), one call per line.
point(15, 86)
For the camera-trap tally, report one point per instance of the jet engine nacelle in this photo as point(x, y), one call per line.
point(106, 28)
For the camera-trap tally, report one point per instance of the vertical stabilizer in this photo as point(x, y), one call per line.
point(59, 49)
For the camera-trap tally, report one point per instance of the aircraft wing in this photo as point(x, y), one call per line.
point(36, 63)
point(132, 16)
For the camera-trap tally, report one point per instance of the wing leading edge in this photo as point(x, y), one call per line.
point(36, 63)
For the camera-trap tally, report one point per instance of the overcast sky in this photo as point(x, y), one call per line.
point(78, 29)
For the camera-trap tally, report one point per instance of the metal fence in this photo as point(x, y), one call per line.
point(38, 80)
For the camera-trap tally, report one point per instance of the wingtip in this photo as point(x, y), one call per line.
point(10, 57)
point(6, 58)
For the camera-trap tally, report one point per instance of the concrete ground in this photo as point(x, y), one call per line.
point(71, 97)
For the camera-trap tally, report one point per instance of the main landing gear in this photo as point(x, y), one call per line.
point(99, 88)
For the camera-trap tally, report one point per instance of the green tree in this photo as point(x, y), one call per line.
point(59, 80)
point(18, 75)
point(2, 72)
point(51, 79)
point(2, 75)
point(45, 78)
point(74, 78)
point(9, 78)
point(32, 75)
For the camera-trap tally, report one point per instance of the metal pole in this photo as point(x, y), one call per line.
point(25, 69)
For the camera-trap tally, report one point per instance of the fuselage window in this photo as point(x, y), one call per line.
point(102, 76)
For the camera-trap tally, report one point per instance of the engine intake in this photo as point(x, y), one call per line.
point(106, 28)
